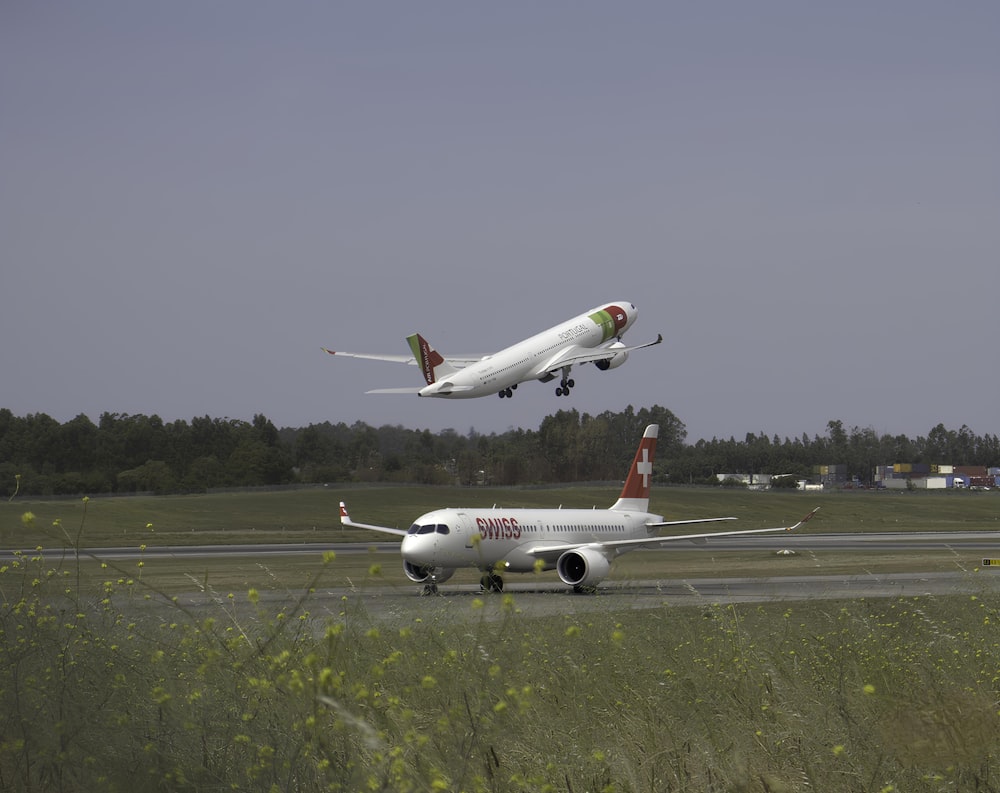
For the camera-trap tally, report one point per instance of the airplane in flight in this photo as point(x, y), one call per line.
point(579, 544)
point(592, 337)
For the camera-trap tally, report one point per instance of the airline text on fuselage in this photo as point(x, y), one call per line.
point(498, 528)
point(574, 332)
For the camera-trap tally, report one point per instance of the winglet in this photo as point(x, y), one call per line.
point(345, 520)
point(804, 520)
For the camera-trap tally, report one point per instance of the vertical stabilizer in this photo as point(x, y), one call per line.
point(432, 364)
point(635, 494)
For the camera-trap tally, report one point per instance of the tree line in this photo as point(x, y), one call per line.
point(135, 453)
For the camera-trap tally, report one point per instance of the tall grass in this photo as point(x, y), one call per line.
point(115, 687)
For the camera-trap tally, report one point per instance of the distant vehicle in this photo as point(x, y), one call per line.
point(592, 337)
point(579, 544)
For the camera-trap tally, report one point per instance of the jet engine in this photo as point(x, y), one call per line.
point(583, 568)
point(616, 359)
point(427, 575)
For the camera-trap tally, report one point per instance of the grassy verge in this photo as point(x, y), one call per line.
point(312, 515)
point(100, 693)
point(109, 683)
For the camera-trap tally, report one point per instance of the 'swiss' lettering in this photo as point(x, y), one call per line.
point(498, 528)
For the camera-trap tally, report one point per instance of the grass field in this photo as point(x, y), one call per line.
point(311, 515)
point(100, 693)
point(107, 686)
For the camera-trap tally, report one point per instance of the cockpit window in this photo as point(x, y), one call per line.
point(429, 528)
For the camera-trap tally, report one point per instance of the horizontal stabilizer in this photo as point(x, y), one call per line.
point(402, 390)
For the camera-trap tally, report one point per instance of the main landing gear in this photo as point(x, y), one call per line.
point(429, 589)
point(566, 383)
point(491, 582)
point(565, 386)
point(508, 392)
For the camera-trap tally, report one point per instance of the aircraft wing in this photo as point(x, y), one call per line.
point(458, 362)
point(571, 356)
point(615, 547)
point(345, 520)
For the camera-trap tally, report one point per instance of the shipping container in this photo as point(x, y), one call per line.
point(942, 469)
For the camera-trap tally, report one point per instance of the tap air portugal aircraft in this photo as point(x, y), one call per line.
point(578, 543)
point(592, 337)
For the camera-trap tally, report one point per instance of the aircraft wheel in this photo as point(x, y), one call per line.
point(429, 589)
point(571, 383)
point(559, 391)
point(491, 582)
point(502, 394)
point(509, 392)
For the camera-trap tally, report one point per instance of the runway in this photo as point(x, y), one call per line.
point(986, 541)
point(402, 604)
point(531, 597)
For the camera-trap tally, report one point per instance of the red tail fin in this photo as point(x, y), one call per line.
point(429, 360)
point(635, 494)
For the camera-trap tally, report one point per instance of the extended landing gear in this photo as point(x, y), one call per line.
point(566, 383)
point(508, 392)
point(491, 582)
point(564, 386)
point(429, 589)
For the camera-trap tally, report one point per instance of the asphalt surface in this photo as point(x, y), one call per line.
point(987, 541)
point(403, 603)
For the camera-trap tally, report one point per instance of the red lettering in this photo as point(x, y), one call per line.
point(498, 528)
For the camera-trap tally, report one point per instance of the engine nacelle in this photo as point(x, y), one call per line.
point(616, 359)
point(583, 568)
point(427, 575)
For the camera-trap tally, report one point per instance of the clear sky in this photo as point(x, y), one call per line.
point(804, 198)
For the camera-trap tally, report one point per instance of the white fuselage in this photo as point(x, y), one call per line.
point(483, 538)
point(535, 357)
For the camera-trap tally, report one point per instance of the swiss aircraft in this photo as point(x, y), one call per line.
point(579, 544)
point(592, 337)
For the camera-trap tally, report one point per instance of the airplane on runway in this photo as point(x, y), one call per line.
point(579, 544)
point(592, 337)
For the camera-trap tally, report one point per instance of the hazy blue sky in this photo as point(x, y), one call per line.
point(802, 197)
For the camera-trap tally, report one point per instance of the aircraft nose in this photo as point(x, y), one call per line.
point(418, 548)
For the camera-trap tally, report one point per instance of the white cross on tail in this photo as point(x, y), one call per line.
point(644, 468)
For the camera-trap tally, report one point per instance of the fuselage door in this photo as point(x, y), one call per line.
point(463, 528)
